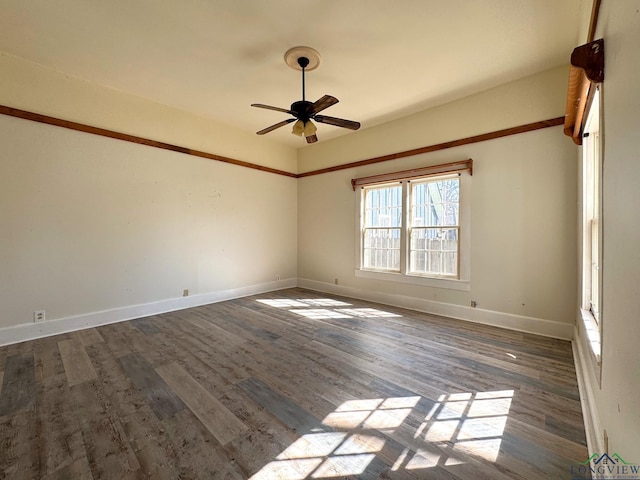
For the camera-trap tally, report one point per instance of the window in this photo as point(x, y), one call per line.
point(591, 225)
point(591, 205)
point(382, 227)
point(414, 229)
point(434, 227)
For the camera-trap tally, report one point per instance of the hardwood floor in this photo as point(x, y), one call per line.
point(290, 385)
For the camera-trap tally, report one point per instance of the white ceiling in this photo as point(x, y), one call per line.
point(382, 58)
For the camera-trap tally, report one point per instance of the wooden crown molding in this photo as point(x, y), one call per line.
point(36, 117)
point(103, 132)
point(529, 127)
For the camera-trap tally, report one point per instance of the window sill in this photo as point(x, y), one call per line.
point(446, 283)
point(592, 331)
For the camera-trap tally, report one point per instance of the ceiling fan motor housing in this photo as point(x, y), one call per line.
point(300, 109)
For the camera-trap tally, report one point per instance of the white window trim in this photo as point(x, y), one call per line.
point(462, 283)
point(592, 331)
point(591, 326)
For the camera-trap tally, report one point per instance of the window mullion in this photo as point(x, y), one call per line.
point(404, 231)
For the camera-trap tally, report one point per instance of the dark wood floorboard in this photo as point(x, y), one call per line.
point(290, 385)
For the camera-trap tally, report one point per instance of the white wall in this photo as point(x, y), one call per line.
point(616, 402)
point(92, 224)
point(530, 99)
point(32, 87)
point(523, 210)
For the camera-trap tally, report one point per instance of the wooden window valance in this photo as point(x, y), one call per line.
point(587, 70)
point(454, 167)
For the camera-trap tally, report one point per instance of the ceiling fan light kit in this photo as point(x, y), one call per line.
point(306, 59)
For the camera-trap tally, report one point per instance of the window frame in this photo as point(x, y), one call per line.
point(463, 280)
point(400, 227)
point(411, 225)
point(592, 228)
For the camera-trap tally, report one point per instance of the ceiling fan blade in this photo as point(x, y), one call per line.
point(325, 102)
point(277, 125)
point(312, 138)
point(269, 107)
point(338, 122)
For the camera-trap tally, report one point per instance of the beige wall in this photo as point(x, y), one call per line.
point(91, 224)
point(615, 402)
point(523, 207)
point(531, 99)
point(29, 86)
point(523, 232)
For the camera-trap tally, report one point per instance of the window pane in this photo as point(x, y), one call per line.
point(591, 204)
point(435, 203)
point(383, 206)
point(434, 251)
point(382, 249)
point(435, 216)
point(382, 222)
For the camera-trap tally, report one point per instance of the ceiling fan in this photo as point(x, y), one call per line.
point(304, 111)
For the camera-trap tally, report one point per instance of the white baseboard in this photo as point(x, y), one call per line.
point(592, 426)
point(538, 326)
point(31, 331)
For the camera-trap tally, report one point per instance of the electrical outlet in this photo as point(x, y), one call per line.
point(474, 304)
point(335, 281)
point(185, 292)
point(39, 316)
point(277, 278)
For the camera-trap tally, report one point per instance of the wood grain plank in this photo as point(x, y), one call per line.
point(78, 470)
point(18, 384)
point(222, 424)
point(145, 325)
point(198, 455)
point(108, 452)
point(59, 430)
point(77, 364)
point(282, 379)
point(47, 358)
point(163, 400)
point(115, 336)
point(18, 458)
point(281, 407)
point(146, 435)
point(88, 336)
point(211, 330)
point(266, 438)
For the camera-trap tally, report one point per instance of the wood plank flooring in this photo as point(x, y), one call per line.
point(290, 385)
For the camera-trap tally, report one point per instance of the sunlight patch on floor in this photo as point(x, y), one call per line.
point(473, 423)
point(282, 302)
point(302, 302)
point(457, 425)
point(320, 313)
point(307, 307)
point(367, 312)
